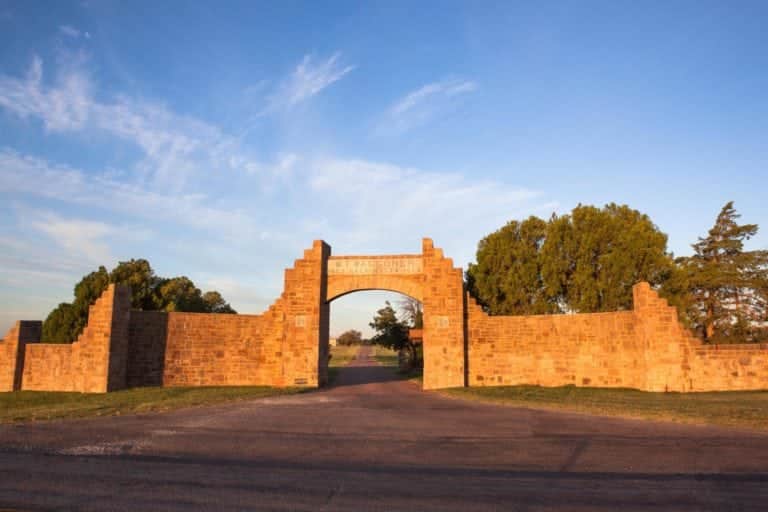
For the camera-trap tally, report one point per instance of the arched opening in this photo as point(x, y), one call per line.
point(357, 362)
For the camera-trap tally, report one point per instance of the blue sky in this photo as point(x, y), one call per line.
point(218, 140)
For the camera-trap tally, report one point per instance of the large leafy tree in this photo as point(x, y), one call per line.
point(728, 285)
point(215, 303)
point(180, 294)
point(138, 274)
point(392, 333)
point(148, 292)
point(59, 326)
point(507, 277)
point(350, 337)
point(87, 291)
point(585, 261)
point(592, 257)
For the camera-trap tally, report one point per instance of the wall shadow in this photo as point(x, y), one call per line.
point(357, 375)
point(147, 342)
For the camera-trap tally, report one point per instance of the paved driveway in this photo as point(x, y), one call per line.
point(374, 443)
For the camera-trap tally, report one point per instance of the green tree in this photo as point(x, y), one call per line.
point(215, 303)
point(350, 337)
point(59, 325)
point(87, 291)
point(728, 285)
point(148, 292)
point(137, 274)
point(180, 294)
point(65, 323)
point(507, 278)
point(585, 261)
point(393, 334)
point(593, 257)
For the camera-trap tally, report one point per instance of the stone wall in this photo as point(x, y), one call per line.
point(95, 363)
point(733, 367)
point(600, 349)
point(199, 349)
point(48, 367)
point(402, 273)
point(645, 348)
point(304, 351)
point(13, 352)
point(444, 327)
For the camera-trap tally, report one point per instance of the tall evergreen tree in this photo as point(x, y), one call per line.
point(728, 285)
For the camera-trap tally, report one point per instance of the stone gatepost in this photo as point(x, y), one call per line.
point(12, 350)
point(306, 318)
point(444, 332)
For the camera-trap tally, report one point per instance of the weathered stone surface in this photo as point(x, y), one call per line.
point(95, 363)
point(645, 348)
point(287, 345)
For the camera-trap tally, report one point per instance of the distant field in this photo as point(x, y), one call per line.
point(342, 355)
point(385, 356)
point(728, 408)
point(42, 405)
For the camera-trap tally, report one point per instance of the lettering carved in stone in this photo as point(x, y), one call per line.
point(363, 265)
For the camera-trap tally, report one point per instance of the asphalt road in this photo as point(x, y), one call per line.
point(375, 443)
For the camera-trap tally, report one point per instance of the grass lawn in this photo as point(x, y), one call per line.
point(747, 409)
point(342, 355)
point(42, 405)
point(385, 356)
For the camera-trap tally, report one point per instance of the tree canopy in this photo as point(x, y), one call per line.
point(585, 261)
point(350, 337)
point(148, 292)
point(588, 261)
point(391, 332)
point(728, 286)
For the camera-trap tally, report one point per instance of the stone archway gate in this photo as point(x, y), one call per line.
point(644, 348)
point(429, 277)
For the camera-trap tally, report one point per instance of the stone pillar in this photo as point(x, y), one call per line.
point(306, 317)
point(444, 332)
point(667, 344)
point(117, 376)
point(12, 350)
point(99, 356)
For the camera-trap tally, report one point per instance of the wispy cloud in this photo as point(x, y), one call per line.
point(383, 203)
point(66, 106)
point(175, 147)
point(419, 106)
point(70, 31)
point(38, 177)
point(445, 89)
point(308, 79)
point(78, 237)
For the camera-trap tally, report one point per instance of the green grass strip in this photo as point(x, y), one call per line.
point(747, 409)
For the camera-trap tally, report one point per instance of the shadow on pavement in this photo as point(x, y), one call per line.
point(356, 375)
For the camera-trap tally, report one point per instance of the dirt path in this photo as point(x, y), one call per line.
point(373, 442)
